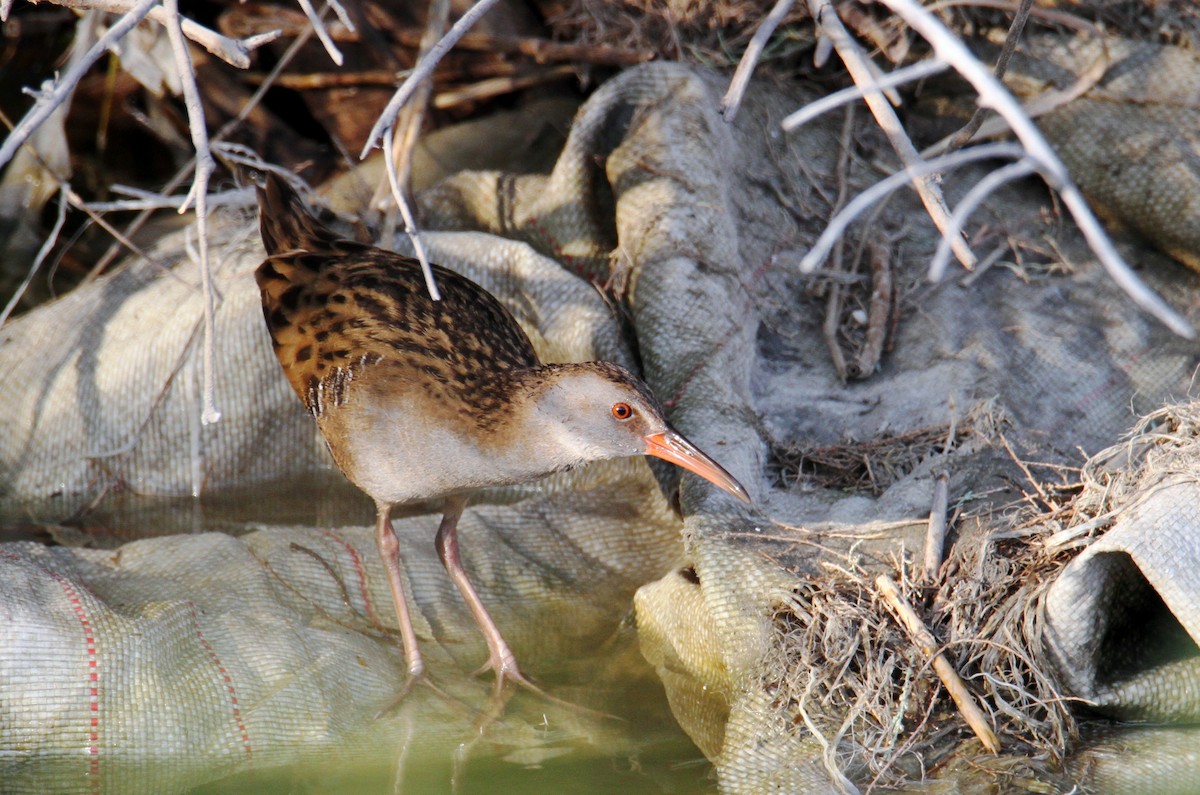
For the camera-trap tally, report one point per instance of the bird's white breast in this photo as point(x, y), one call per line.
point(398, 454)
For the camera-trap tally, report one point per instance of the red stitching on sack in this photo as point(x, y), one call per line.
point(550, 242)
point(233, 697)
point(89, 641)
point(360, 572)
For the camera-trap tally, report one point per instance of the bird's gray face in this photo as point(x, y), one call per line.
point(594, 417)
point(597, 418)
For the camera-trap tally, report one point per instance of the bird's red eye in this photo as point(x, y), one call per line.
point(622, 411)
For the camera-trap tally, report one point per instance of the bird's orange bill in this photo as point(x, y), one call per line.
point(672, 447)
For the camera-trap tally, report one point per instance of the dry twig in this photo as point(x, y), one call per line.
point(235, 52)
point(205, 165)
point(182, 174)
point(879, 312)
point(833, 302)
point(961, 138)
point(941, 666)
point(1048, 100)
point(401, 138)
point(498, 86)
point(57, 93)
point(837, 227)
point(969, 203)
point(993, 94)
point(899, 77)
point(423, 69)
point(935, 534)
point(42, 253)
point(318, 26)
point(860, 69)
point(745, 69)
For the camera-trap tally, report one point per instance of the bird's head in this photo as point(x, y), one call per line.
point(598, 410)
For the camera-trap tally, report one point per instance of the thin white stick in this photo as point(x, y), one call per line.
point(199, 192)
point(242, 155)
point(820, 250)
point(410, 224)
point(924, 640)
point(812, 110)
point(935, 531)
point(146, 200)
point(975, 196)
point(993, 94)
point(342, 16)
point(423, 70)
point(318, 27)
point(285, 59)
point(43, 252)
point(741, 78)
point(863, 72)
point(50, 97)
point(235, 52)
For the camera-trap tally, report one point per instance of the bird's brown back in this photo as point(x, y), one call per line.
point(341, 312)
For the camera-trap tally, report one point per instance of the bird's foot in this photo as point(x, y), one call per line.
point(413, 679)
point(504, 664)
point(508, 674)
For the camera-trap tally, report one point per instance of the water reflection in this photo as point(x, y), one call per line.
point(523, 752)
point(313, 655)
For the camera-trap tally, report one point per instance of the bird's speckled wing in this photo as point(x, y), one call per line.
point(340, 312)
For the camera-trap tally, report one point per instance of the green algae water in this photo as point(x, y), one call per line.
point(603, 724)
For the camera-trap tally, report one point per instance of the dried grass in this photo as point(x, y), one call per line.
point(713, 33)
point(874, 464)
point(840, 653)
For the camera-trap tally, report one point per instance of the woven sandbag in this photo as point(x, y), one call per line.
point(692, 221)
point(1130, 139)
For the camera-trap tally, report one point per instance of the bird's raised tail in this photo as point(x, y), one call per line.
point(285, 222)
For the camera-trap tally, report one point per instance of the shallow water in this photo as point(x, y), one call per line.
point(642, 751)
point(437, 740)
point(659, 761)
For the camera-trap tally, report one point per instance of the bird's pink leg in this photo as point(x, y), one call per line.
point(389, 550)
point(500, 656)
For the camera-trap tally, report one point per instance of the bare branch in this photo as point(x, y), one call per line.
point(935, 532)
point(199, 193)
point(879, 311)
point(925, 641)
point(229, 127)
point(984, 188)
point(43, 252)
point(407, 126)
point(56, 94)
point(1043, 103)
point(961, 138)
point(993, 94)
point(741, 78)
point(322, 32)
point(498, 86)
point(907, 74)
point(860, 69)
point(149, 200)
point(820, 250)
point(234, 52)
point(422, 71)
point(410, 224)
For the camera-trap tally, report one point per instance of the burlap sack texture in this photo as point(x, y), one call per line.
point(702, 214)
point(1131, 139)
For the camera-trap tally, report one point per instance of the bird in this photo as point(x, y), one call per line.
point(420, 400)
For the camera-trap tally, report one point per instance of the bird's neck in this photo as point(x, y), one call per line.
point(529, 436)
